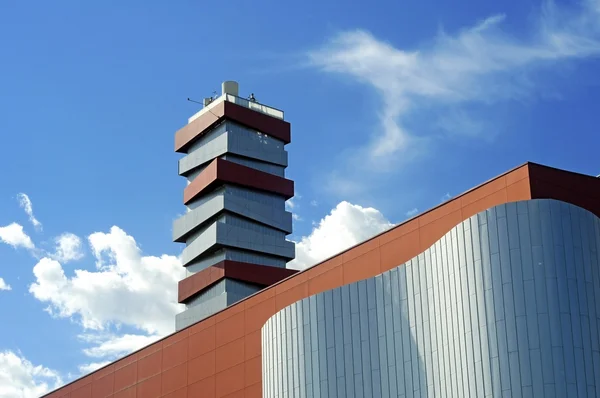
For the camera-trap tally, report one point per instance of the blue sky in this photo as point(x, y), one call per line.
point(394, 106)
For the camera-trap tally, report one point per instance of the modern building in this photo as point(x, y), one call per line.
point(236, 225)
point(494, 293)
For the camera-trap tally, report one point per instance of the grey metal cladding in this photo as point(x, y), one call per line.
point(231, 286)
point(220, 234)
point(209, 146)
point(244, 256)
point(266, 198)
point(268, 215)
point(256, 164)
point(203, 243)
point(506, 304)
point(231, 138)
point(205, 261)
point(251, 225)
point(234, 236)
point(197, 313)
point(256, 145)
point(221, 201)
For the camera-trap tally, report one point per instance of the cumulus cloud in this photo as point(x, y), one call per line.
point(113, 346)
point(19, 378)
point(26, 205)
point(126, 288)
point(481, 64)
point(14, 236)
point(68, 248)
point(345, 226)
point(4, 285)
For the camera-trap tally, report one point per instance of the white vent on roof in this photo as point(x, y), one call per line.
point(230, 87)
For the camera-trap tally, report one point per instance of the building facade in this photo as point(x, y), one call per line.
point(495, 292)
point(236, 224)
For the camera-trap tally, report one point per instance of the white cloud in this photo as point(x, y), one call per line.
point(4, 285)
point(68, 248)
point(296, 217)
point(345, 226)
point(14, 235)
point(92, 366)
point(290, 204)
point(19, 378)
point(112, 347)
point(412, 212)
point(127, 288)
point(446, 197)
point(314, 203)
point(26, 205)
point(481, 64)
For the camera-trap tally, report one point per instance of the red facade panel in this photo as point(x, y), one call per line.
point(246, 272)
point(221, 171)
point(268, 125)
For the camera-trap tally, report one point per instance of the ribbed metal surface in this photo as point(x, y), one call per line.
point(231, 286)
point(506, 304)
point(232, 138)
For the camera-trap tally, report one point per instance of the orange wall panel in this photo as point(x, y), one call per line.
point(326, 281)
point(174, 379)
point(254, 391)
point(204, 388)
point(127, 393)
point(82, 392)
point(228, 355)
point(125, 377)
point(230, 380)
point(201, 367)
point(367, 264)
point(252, 345)
point(291, 295)
point(104, 386)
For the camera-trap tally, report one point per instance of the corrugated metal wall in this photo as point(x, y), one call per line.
point(506, 304)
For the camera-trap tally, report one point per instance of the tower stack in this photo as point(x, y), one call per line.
point(236, 225)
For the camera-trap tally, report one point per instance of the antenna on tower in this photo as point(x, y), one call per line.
point(206, 102)
point(194, 101)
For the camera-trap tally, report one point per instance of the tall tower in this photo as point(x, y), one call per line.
point(236, 225)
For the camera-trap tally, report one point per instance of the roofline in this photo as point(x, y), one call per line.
point(327, 259)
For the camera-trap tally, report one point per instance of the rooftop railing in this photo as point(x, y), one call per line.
point(255, 106)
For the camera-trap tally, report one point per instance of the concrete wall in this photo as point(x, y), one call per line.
point(506, 304)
